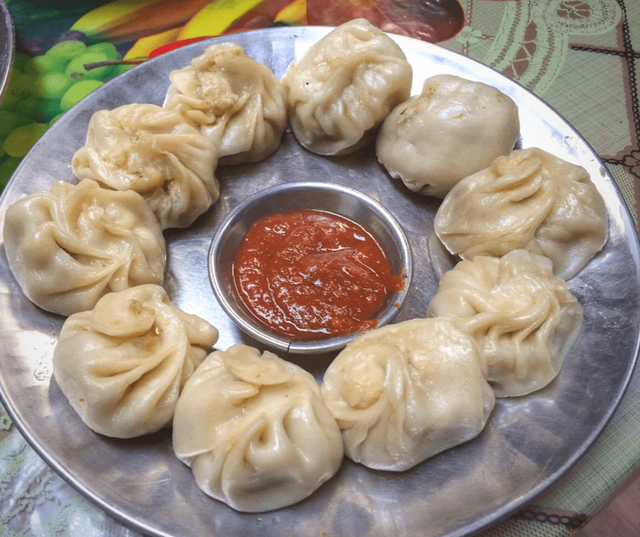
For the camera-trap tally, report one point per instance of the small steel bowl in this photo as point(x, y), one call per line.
point(332, 198)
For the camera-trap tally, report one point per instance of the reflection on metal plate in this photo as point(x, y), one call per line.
point(529, 442)
point(7, 45)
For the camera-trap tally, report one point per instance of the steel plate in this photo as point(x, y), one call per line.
point(7, 45)
point(528, 443)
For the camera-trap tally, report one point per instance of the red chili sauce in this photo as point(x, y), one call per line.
point(312, 274)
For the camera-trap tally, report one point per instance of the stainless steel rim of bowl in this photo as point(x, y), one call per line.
point(7, 46)
point(220, 256)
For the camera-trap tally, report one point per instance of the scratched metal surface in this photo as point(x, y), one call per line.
point(528, 443)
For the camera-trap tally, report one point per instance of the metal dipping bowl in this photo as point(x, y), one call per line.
point(332, 198)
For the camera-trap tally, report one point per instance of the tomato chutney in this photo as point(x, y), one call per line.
point(311, 274)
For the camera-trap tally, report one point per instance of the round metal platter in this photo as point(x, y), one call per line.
point(528, 443)
point(7, 44)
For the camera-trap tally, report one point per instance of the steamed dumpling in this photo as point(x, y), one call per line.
point(454, 128)
point(344, 86)
point(529, 199)
point(154, 152)
point(523, 317)
point(255, 430)
point(235, 101)
point(123, 364)
point(405, 392)
point(69, 246)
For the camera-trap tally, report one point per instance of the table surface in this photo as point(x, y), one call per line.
point(581, 56)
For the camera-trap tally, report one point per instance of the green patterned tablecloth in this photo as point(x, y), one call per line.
point(581, 56)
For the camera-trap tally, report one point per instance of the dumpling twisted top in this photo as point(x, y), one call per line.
point(234, 100)
point(344, 86)
point(407, 391)
point(523, 317)
point(154, 152)
point(69, 246)
point(255, 430)
point(529, 199)
point(123, 364)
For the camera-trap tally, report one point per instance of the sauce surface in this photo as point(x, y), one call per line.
point(311, 274)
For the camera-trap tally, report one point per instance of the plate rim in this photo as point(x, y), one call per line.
point(480, 524)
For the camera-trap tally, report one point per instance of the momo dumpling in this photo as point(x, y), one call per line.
point(407, 391)
point(342, 88)
point(255, 430)
point(156, 153)
point(454, 128)
point(123, 364)
point(529, 199)
point(235, 101)
point(523, 317)
point(69, 246)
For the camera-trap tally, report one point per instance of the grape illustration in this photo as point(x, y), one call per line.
point(7, 167)
point(66, 50)
point(77, 70)
point(20, 60)
point(53, 85)
point(38, 109)
point(20, 140)
point(20, 86)
point(106, 48)
point(43, 87)
point(9, 121)
point(40, 65)
point(77, 92)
